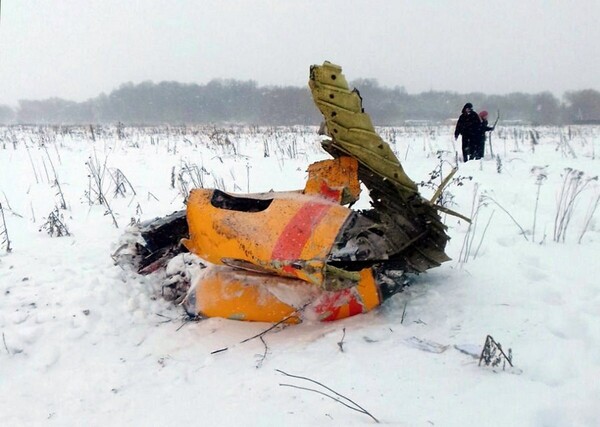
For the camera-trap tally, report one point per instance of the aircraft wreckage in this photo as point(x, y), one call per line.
point(299, 255)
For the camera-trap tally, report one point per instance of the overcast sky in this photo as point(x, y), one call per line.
point(77, 49)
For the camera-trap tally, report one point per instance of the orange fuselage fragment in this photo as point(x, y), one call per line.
point(290, 234)
point(235, 294)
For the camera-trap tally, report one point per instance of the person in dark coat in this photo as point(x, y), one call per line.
point(480, 148)
point(469, 126)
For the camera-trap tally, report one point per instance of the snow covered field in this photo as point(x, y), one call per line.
point(86, 342)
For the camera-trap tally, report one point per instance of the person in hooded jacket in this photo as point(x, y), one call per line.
point(480, 147)
point(469, 126)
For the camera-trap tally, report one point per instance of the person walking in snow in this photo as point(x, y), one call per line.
point(480, 147)
point(469, 126)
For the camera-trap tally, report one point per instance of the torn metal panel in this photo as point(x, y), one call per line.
point(410, 221)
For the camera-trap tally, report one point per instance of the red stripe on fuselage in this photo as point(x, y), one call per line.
point(297, 232)
point(330, 193)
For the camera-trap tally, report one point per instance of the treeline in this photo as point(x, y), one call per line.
point(245, 102)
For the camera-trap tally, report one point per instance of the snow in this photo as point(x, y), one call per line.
point(85, 341)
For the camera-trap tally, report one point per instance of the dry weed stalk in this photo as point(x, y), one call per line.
point(493, 354)
point(190, 176)
point(9, 208)
point(540, 176)
point(482, 201)
point(4, 232)
point(54, 181)
point(565, 147)
point(488, 198)
point(339, 398)
point(37, 180)
point(55, 224)
point(468, 240)
point(96, 183)
point(573, 185)
point(122, 184)
point(588, 218)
